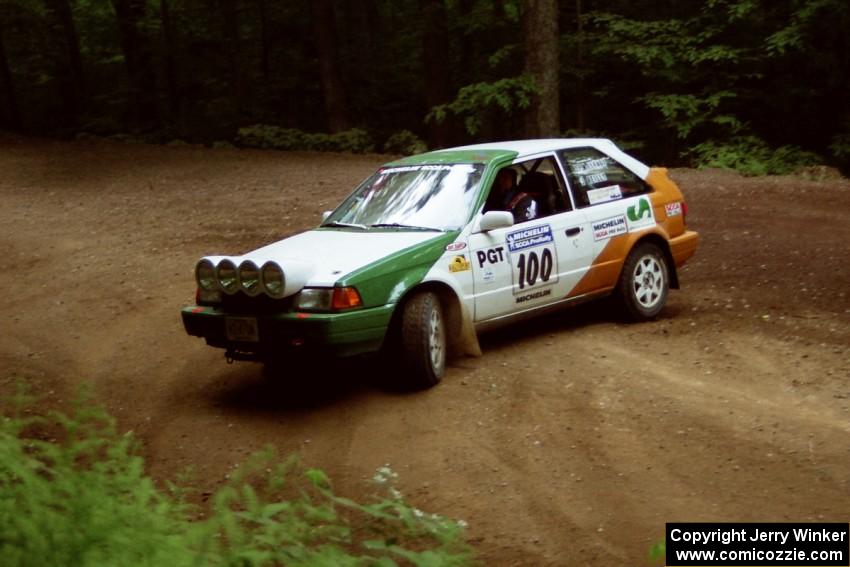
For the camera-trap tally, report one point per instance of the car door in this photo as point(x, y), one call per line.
point(533, 263)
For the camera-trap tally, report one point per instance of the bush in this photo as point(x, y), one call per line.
point(73, 492)
point(268, 136)
point(750, 155)
point(405, 142)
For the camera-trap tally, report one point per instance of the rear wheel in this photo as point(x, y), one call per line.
point(644, 282)
point(423, 341)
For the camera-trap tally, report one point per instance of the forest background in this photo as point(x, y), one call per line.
point(759, 85)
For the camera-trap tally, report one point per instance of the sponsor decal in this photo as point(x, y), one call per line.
point(534, 295)
point(534, 268)
point(593, 178)
point(673, 209)
point(455, 246)
point(405, 168)
point(640, 214)
point(608, 228)
point(526, 238)
point(491, 256)
point(604, 194)
point(488, 275)
point(459, 264)
point(580, 168)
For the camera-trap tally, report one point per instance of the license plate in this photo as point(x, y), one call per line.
point(242, 329)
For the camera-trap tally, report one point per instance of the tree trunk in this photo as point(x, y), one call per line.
point(265, 40)
point(70, 70)
point(137, 60)
point(580, 66)
point(435, 58)
point(170, 66)
point(540, 43)
point(12, 117)
point(324, 31)
point(232, 40)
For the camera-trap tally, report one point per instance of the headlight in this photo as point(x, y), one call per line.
point(328, 299)
point(205, 275)
point(249, 277)
point(226, 273)
point(314, 299)
point(273, 280)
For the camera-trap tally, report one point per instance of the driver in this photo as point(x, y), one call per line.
point(506, 196)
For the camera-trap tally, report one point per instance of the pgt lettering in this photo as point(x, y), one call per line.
point(491, 256)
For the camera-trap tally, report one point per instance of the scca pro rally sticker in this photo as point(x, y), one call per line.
point(528, 237)
point(639, 214)
point(534, 260)
point(608, 228)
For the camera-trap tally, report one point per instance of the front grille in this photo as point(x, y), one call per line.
point(240, 302)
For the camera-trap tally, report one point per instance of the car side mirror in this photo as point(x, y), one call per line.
point(325, 215)
point(495, 219)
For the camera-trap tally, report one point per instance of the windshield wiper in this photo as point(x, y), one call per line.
point(407, 226)
point(346, 224)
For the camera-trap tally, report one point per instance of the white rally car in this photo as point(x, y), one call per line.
point(430, 250)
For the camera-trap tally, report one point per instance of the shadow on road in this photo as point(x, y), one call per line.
point(599, 312)
point(300, 386)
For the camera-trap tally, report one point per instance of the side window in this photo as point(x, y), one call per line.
point(597, 178)
point(529, 189)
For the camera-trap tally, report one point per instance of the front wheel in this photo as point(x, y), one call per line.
point(644, 282)
point(423, 341)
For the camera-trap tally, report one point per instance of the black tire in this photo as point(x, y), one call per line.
point(423, 341)
point(644, 282)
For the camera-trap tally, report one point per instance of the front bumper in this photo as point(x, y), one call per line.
point(339, 334)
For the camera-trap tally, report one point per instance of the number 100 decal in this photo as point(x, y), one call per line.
point(533, 257)
point(534, 268)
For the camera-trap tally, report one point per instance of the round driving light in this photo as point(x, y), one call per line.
point(205, 275)
point(227, 279)
point(273, 280)
point(249, 277)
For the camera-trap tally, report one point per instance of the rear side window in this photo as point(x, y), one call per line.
point(596, 178)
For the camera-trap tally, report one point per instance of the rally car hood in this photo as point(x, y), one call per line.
point(319, 258)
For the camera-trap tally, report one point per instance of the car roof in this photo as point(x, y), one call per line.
point(518, 149)
point(529, 147)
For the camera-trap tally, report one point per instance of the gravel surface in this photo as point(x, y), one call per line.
point(571, 441)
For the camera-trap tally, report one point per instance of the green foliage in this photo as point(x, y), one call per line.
point(474, 101)
point(658, 552)
point(73, 492)
point(793, 37)
point(840, 145)
point(684, 112)
point(750, 155)
point(404, 142)
point(268, 136)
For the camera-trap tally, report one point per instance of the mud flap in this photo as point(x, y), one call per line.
point(467, 340)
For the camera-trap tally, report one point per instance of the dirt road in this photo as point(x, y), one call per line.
point(570, 442)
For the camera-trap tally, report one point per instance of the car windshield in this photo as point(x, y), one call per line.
point(415, 197)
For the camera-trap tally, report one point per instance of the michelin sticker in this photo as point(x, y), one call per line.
point(534, 260)
point(604, 194)
point(640, 215)
point(609, 228)
point(529, 237)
